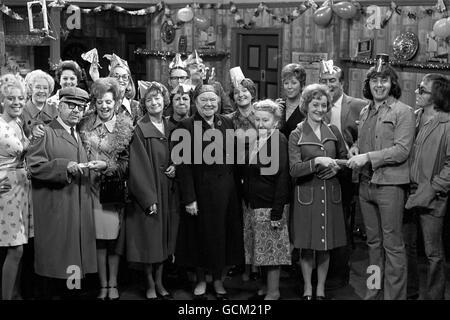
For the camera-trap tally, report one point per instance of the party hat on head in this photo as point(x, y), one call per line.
point(194, 58)
point(236, 76)
point(177, 63)
point(381, 60)
point(116, 61)
point(328, 67)
point(143, 87)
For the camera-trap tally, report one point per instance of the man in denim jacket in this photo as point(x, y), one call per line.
point(385, 137)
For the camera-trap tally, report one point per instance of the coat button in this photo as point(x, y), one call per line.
point(321, 148)
point(323, 201)
point(323, 227)
point(323, 214)
point(323, 240)
point(322, 188)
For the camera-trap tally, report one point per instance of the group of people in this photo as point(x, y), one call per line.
point(88, 178)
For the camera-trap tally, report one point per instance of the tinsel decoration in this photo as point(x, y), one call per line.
point(404, 64)
point(168, 55)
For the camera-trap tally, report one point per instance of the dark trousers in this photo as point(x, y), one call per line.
point(431, 227)
point(382, 209)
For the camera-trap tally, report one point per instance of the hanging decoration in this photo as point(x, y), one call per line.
point(323, 16)
point(345, 10)
point(6, 10)
point(404, 64)
point(185, 14)
point(441, 28)
point(393, 9)
point(168, 55)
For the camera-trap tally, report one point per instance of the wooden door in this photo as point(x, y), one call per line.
point(133, 39)
point(259, 58)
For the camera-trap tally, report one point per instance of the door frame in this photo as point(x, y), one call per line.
point(236, 45)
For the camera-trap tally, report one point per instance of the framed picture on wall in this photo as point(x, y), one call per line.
point(365, 47)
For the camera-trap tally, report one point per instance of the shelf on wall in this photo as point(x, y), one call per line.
point(404, 66)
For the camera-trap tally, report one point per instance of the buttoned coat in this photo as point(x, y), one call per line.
point(150, 238)
point(317, 220)
point(214, 238)
point(64, 230)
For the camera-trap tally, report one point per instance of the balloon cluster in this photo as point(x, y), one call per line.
point(441, 28)
point(344, 10)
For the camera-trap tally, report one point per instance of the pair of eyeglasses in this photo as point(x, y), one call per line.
point(421, 90)
point(178, 78)
point(124, 77)
point(72, 106)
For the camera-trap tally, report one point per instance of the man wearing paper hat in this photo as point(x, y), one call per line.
point(177, 72)
point(344, 114)
point(200, 74)
point(380, 155)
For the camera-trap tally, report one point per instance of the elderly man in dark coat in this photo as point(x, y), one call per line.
point(64, 222)
point(210, 234)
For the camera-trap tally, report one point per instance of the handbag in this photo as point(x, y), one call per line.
point(113, 190)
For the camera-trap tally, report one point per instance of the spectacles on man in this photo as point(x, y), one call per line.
point(178, 78)
point(72, 106)
point(421, 90)
point(124, 77)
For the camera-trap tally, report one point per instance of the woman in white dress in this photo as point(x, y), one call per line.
point(16, 221)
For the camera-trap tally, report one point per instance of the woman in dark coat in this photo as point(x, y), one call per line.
point(317, 220)
point(293, 77)
point(210, 234)
point(152, 217)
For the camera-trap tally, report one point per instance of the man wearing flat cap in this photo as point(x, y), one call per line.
point(64, 224)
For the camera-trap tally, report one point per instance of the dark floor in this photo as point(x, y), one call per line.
point(290, 285)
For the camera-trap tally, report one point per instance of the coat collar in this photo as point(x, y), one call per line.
point(61, 132)
point(34, 111)
point(149, 130)
point(217, 121)
point(309, 137)
point(109, 125)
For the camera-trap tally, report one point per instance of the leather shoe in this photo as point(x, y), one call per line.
point(307, 297)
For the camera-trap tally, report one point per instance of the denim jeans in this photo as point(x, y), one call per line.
point(431, 227)
point(382, 209)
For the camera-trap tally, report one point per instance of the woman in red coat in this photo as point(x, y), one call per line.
point(317, 220)
point(152, 217)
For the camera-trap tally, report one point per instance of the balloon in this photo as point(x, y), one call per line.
point(345, 10)
point(185, 14)
point(201, 22)
point(323, 16)
point(442, 28)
